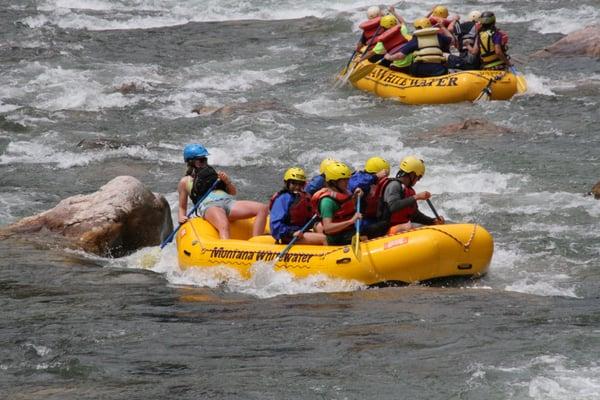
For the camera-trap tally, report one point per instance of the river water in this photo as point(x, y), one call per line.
point(76, 326)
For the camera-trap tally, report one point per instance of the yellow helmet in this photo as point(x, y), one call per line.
point(325, 163)
point(412, 164)
point(336, 171)
point(388, 21)
point(422, 23)
point(440, 11)
point(295, 174)
point(376, 164)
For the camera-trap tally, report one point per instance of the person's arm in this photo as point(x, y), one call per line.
point(444, 31)
point(182, 190)
point(279, 212)
point(420, 218)
point(499, 51)
point(327, 208)
point(474, 49)
point(392, 11)
point(229, 186)
point(394, 197)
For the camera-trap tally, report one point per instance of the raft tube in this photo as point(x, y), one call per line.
point(420, 254)
point(451, 88)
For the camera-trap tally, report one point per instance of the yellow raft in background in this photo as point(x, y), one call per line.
point(451, 88)
point(421, 254)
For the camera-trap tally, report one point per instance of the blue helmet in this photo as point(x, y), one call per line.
point(192, 151)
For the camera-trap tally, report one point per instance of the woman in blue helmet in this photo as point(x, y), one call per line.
point(219, 207)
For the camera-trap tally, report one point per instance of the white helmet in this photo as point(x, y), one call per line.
point(474, 15)
point(373, 12)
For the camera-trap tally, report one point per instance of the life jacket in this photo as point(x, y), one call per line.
point(429, 46)
point(403, 215)
point(463, 34)
point(374, 198)
point(205, 177)
point(370, 28)
point(301, 209)
point(346, 210)
point(435, 20)
point(487, 51)
point(391, 38)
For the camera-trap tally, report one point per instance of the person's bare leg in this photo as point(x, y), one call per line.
point(218, 218)
point(243, 209)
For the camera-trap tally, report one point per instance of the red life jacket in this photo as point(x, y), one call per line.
point(404, 215)
point(373, 198)
point(435, 20)
point(369, 28)
point(391, 38)
point(301, 209)
point(344, 200)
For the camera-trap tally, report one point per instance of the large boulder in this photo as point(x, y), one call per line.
point(118, 219)
point(584, 42)
point(596, 191)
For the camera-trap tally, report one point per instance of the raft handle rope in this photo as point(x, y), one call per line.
point(466, 246)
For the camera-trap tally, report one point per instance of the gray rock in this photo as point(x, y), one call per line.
point(120, 218)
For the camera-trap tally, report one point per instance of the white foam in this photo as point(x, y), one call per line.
point(160, 13)
point(325, 106)
point(239, 80)
point(545, 377)
point(265, 281)
point(545, 285)
point(539, 85)
point(43, 153)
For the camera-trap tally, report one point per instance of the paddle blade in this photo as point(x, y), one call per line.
point(485, 95)
point(521, 81)
point(361, 73)
point(521, 84)
point(356, 246)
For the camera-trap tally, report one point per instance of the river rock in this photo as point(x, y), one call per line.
point(584, 42)
point(118, 219)
point(596, 191)
point(130, 88)
point(470, 126)
point(247, 107)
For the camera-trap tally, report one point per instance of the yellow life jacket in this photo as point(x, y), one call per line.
point(487, 50)
point(429, 46)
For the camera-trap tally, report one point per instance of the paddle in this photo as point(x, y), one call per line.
point(345, 69)
point(433, 209)
point(295, 239)
point(351, 71)
point(169, 239)
point(521, 82)
point(356, 238)
point(362, 72)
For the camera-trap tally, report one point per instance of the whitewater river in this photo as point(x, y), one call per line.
point(76, 326)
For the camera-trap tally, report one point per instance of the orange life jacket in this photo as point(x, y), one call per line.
point(369, 28)
point(391, 38)
point(346, 210)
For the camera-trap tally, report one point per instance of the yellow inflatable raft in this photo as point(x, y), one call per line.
point(420, 254)
point(451, 88)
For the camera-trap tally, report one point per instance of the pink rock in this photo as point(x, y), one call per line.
point(120, 218)
point(584, 42)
